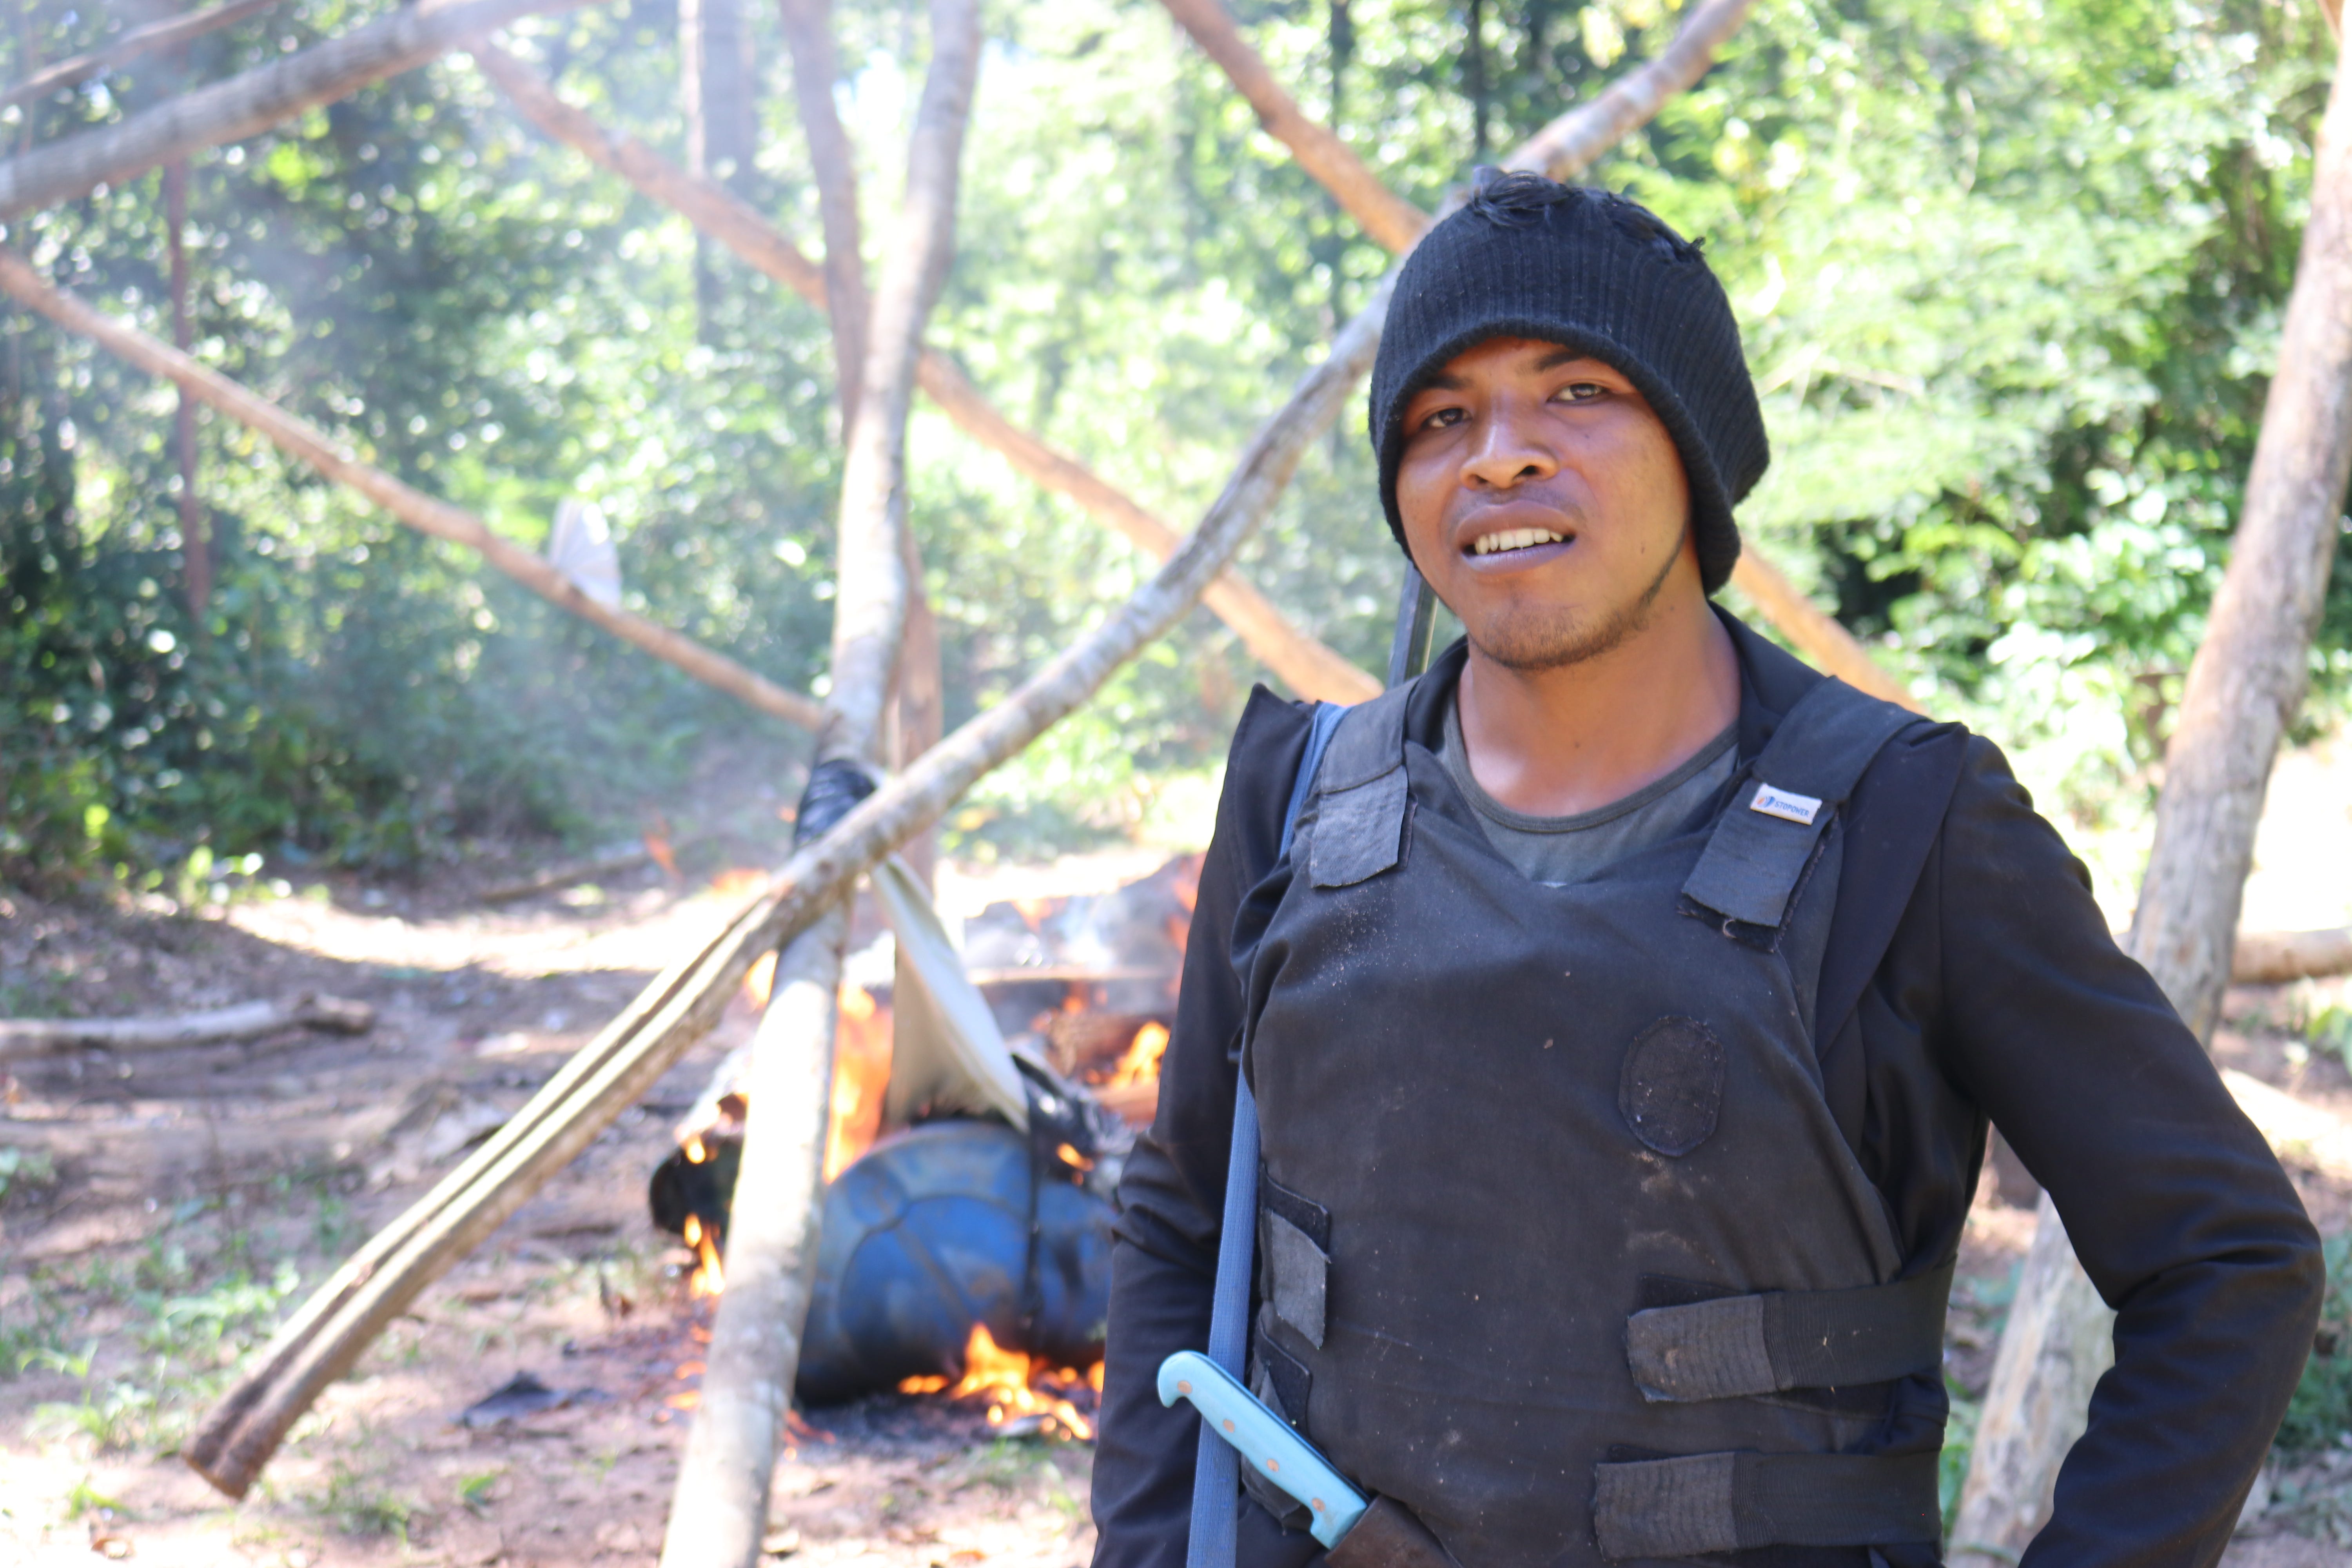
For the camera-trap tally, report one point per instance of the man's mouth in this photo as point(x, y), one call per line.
point(1514, 539)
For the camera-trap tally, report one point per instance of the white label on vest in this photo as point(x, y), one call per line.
point(1785, 804)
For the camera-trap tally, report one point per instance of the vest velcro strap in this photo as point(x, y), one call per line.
point(1771, 1342)
point(1736, 1502)
point(1763, 842)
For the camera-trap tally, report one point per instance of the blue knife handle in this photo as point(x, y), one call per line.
point(1266, 1440)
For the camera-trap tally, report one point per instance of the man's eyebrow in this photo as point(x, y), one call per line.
point(1441, 381)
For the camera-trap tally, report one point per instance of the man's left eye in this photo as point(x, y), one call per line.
point(1580, 391)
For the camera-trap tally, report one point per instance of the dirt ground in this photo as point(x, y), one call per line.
point(158, 1212)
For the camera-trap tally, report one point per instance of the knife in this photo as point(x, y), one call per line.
point(1356, 1530)
point(1266, 1440)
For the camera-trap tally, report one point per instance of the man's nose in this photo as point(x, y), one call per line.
point(1508, 450)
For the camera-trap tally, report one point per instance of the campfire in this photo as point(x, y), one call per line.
point(1085, 985)
point(1024, 1394)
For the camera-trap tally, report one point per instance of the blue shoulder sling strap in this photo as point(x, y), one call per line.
point(1216, 1481)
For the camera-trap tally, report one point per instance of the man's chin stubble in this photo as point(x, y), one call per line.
point(1530, 643)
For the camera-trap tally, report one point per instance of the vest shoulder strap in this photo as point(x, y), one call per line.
point(1360, 813)
point(1767, 836)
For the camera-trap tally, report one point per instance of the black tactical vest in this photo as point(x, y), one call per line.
point(1558, 1244)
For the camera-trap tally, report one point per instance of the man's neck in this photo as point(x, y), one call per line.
point(1559, 742)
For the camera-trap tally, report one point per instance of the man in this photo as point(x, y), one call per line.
point(1625, 1018)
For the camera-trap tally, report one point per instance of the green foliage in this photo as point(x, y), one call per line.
point(25, 1170)
point(2320, 1413)
point(2011, 278)
point(1960, 1447)
point(360, 1505)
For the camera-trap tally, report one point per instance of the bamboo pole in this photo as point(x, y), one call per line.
point(2244, 686)
point(254, 101)
point(720, 1511)
point(1309, 668)
point(301, 439)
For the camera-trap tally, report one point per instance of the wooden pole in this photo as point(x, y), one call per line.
point(917, 704)
point(301, 439)
point(251, 102)
point(328, 1334)
point(2244, 686)
point(720, 1511)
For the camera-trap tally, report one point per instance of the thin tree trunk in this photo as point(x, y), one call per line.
point(299, 438)
point(251, 102)
point(808, 34)
point(1311, 668)
point(720, 1511)
point(172, 30)
point(2245, 686)
point(342, 1317)
point(917, 697)
point(195, 528)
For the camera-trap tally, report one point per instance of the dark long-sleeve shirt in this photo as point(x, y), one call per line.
point(1969, 974)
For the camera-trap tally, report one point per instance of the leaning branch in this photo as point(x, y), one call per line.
point(253, 101)
point(301, 439)
point(1311, 668)
point(130, 47)
point(212, 1026)
point(1388, 219)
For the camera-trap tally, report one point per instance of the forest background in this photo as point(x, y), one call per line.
point(2009, 273)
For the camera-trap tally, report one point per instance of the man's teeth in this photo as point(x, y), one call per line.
point(1514, 539)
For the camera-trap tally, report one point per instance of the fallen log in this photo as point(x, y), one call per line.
point(252, 102)
point(212, 1026)
point(1561, 150)
point(720, 1511)
point(78, 69)
point(2275, 957)
point(617, 1070)
point(301, 439)
point(1309, 668)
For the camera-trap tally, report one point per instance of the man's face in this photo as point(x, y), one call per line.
point(1543, 502)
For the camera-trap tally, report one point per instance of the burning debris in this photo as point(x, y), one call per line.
point(982, 1103)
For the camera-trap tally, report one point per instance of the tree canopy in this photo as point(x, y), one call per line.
point(2009, 275)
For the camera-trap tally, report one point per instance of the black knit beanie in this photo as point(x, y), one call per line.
point(1530, 258)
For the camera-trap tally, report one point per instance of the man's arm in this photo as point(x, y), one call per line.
point(2176, 1205)
point(1172, 1195)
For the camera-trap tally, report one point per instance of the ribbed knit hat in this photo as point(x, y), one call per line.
point(1530, 258)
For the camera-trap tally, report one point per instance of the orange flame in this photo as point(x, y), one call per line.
point(1141, 1062)
point(1015, 1386)
point(761, 982)
point(740, 882)
point(861, 1077)
point(708, 1278)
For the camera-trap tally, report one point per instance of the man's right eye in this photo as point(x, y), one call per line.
point(1443, 417)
